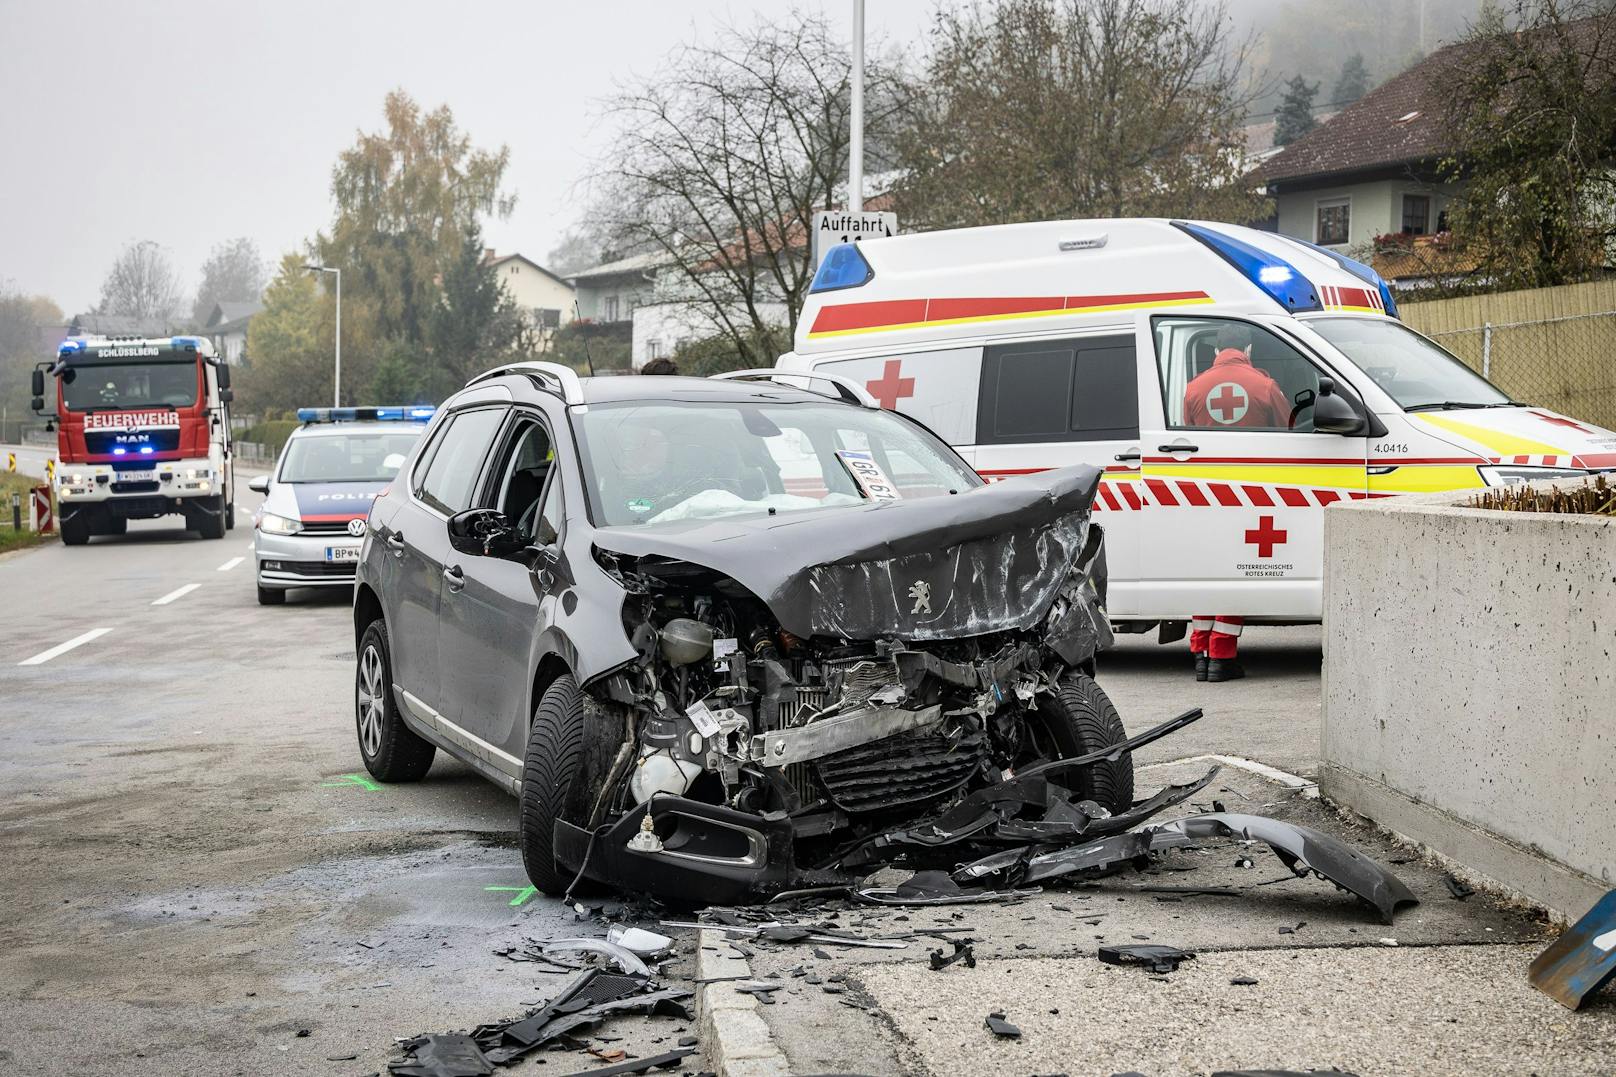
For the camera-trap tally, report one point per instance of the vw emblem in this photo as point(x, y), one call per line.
point(356, 526)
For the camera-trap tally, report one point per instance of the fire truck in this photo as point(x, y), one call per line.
point(142, 431)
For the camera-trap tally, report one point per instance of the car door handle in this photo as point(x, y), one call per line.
point(1178, 448)
point(395, 541)
point(1125, 457)
point(455, 577)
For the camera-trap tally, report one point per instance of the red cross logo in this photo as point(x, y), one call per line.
point(889, 388)
point(1558, 421)
point(1227, 403)
point(1266, 536)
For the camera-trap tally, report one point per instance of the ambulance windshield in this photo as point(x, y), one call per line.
point(664, 461)
point(1412, 370)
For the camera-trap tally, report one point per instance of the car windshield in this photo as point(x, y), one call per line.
point(367, 456)
point(1414, 371)
point(129, 385)
point(657, 462)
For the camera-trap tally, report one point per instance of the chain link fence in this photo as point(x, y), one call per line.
point(1566, 364)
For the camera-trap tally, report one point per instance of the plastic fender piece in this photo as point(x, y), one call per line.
point(625, 958)
point(1581, 960)
point(1303, 850)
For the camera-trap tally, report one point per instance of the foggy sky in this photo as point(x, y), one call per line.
point(191, 122)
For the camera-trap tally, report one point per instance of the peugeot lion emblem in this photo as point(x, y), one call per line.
point(920, 591)
point(356, 526)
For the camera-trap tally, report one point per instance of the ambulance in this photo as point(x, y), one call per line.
point(1041, 345)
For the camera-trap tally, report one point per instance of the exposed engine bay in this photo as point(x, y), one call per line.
point(763, 752)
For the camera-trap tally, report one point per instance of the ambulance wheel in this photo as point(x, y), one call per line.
point(230, 515)
point(271, 596)
point(390, 749)
point(210, 521)
point(75, 530)
point(1078, 719)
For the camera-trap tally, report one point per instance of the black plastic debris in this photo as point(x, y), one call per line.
point(1243, 981)
point(963, 955)
point(1002, 1028)
point(441, 1055)
point(1582, 960)
point(1456, 888)
point(666, 1060)
point(1153, 957)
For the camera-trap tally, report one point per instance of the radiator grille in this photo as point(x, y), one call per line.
point(899, 770)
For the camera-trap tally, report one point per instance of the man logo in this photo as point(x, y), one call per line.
point(356, 526)
point(920, 591)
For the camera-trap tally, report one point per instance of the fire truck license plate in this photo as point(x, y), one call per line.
point(138, 476)
point(342, 553)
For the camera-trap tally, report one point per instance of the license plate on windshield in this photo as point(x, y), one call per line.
point(342, 553)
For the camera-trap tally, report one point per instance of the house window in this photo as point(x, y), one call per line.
point(653, 350)
point(630, 304)
point(1334, 222)
point(610, 306)
point(515, 270)
point(1416, 214)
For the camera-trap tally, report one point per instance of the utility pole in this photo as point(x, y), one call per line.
point(855, 141)
point(336, 391)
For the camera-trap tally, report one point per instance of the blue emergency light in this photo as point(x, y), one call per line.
point(407, 414)
point(1358, 269)
point(1282, 282)
point(844, 267)
point(181, 343)
point(71, 346)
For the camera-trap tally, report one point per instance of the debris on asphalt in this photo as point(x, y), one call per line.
point(820, 934)
point(1243, 981)
point(442, 1055)
point(1582, 960)
point(1155, 958)
point(1457, 889)
point(666, 1060)
point(1000, 1027)
point(625, 959)
point(963, 954)
point(639, 941)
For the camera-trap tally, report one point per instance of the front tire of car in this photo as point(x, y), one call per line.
point(1080, 719)
point(391, 750)
point(75, 529)
point(210, 520)
point(570, 749)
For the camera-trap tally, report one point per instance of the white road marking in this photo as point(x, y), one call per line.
point(62, 648)
point(178, 592)
point(1273, 774)
point(230, 564)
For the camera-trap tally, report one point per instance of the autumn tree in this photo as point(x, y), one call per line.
point(1295, 116)
point(719, 161)
point(1048, 109)
point(234, 272)
point(142, 283)
point(290, 348)
point(1531, 113)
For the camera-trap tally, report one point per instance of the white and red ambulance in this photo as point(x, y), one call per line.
point(1034, 346)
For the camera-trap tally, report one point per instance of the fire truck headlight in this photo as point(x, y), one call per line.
point(271, 524)
point(1510, 476)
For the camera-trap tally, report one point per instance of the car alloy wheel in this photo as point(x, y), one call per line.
point(371, 701)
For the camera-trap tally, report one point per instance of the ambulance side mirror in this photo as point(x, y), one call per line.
point(1333, 414)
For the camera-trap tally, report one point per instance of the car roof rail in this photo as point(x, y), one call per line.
point(556, 377)
point(849, 390)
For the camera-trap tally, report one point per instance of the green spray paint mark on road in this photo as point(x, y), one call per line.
point(524, 894)
point(353, 780)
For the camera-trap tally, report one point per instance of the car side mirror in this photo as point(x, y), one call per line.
point(258, 484)
point(1334, 414)
point(36, 385)
point(484, 533)
point(226, 395)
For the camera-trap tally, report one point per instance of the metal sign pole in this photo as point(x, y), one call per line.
point(855, 141)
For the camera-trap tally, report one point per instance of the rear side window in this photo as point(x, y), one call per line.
point(1085, 389)
point(457, 459)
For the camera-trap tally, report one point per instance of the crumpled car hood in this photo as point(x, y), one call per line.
point(988, 560)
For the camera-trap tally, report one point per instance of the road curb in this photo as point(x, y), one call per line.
point(737, 1040)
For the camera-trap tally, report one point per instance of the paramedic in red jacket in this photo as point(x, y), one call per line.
point(1229, 393)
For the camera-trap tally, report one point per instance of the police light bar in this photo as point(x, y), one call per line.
point(1280, 280)
point(844, 267)
point(406, 414)
point(1357, 269)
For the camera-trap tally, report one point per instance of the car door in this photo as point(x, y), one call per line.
point(492, 606)
point(417, 537)
point(1232, 517)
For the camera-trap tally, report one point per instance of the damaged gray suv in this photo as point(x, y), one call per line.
point(724, 636)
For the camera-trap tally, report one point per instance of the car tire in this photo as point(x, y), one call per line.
point(570, 748)
point(210, 521)
point(391, 750)
point(230, 515)
point(75, 529)
point(113, 525)
point(1080, 719)
point(271, 596)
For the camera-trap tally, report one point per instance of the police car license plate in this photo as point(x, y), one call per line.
point(342, 553)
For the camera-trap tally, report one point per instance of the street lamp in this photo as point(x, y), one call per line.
point(336, 392)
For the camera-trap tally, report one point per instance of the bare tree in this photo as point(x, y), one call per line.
point(721, 159)
point(142, 283)
point(1049, 109)
point(234, 272)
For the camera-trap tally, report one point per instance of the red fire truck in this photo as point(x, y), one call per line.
point(142, 430)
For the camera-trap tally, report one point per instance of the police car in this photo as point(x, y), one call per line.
point(1040, 345)
point(311, 526)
